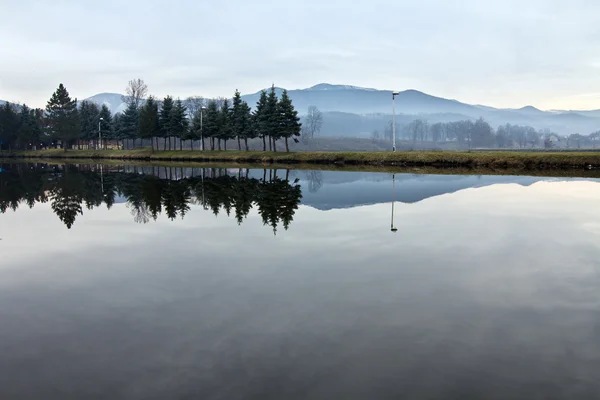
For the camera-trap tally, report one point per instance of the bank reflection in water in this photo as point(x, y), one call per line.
point(150, 191)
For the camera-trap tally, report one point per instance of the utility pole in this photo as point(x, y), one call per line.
point(394, 94)
point(201, 129)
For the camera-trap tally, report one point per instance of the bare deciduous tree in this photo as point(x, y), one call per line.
point(315, 180)
point(135, 92)
point(194, 104)
point(313, 122)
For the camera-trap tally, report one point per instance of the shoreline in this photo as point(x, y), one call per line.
point(439, 159)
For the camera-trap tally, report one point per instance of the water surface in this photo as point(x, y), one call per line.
point(157, 283)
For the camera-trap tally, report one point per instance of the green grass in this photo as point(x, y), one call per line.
point(492, 159)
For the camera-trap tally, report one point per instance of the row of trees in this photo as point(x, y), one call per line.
point(76, 123)
point(69, 189)
point(20, 126)
point(474, 134)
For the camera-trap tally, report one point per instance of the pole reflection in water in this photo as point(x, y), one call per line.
point(393, 228)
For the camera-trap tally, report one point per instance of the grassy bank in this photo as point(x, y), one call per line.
point(495, 159)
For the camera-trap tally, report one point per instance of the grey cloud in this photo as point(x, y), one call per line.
point(502, 53)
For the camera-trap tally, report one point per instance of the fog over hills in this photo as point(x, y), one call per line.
point(353, 111)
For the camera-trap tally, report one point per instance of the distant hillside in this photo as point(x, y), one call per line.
point(112, 100)
point(355, 111)
point(356, 100)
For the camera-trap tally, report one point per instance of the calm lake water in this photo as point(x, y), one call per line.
point(126, 282)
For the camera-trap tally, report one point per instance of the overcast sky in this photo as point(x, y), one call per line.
point(505, 53)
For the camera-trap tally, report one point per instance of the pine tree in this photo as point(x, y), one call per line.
point(225, 132)
point(130, 123)
point(165, 120)
point(9, 125)
point(195, 131)
point(116, 127)
point(88, 117)
point(178, 121)
point(62, 116)
point(241, 120)
point(211, 123)
point(237, 117)
point(27, 132)
point(106, 121)
point(289, 122)
point(246, 127)
point(149, 120)
point(260, 118)
point(272, 121)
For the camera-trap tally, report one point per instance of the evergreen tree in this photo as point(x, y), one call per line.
point(62, 116)
point(115, 131)
point(211, 123)
point(130, 123)
point(225, 131)
point(29, 130)
point(89, 115)
point(247, 130)
point(178, 121)
point(260, 118)
point(272, 118)
point(37, 116)
point(9, 125)
point(149, 120)
point(165, 120)
point(241, 120)
point(106, 120)
point(237, 117)
point(195, 131)
point(289, 122)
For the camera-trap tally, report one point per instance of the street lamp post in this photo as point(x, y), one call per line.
point(394, 94)
point(201, 129)
point(100, 133)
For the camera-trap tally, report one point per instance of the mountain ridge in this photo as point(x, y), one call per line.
point(360, 103)
point(365, 105)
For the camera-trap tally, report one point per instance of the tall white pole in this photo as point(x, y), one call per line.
point(201, 132)
point(393, 122)
point(99, 134)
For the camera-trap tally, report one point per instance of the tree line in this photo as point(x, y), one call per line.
point(215, 121)
point(69, 189)
point(480, 134)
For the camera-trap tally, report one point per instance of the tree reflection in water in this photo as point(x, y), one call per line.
point(149, 191)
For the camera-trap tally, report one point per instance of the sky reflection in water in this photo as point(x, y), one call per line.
point(489, 289)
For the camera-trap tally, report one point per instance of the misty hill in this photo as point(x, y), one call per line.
point(112, 100)
point(353, 111)
point(326, 190)
point(357, 100)
point(330, 190)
